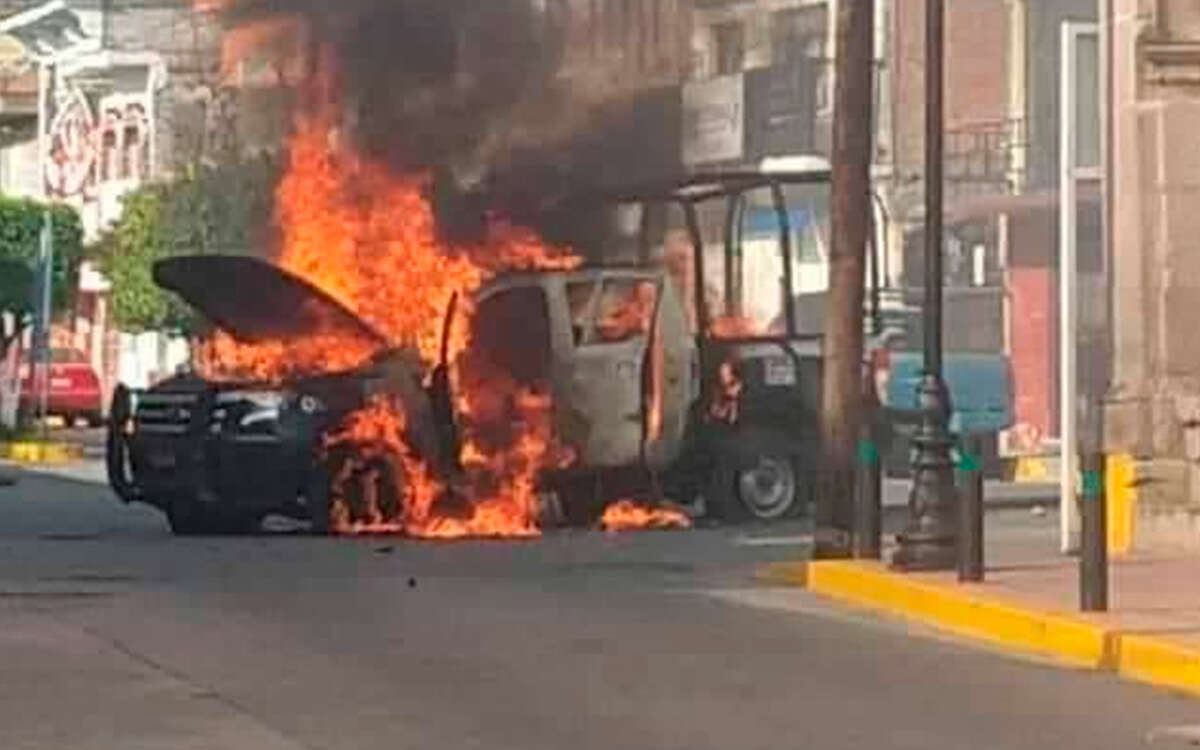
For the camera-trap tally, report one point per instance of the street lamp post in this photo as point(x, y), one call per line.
point(928, 540)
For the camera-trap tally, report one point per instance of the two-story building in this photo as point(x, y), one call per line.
point(114, 93)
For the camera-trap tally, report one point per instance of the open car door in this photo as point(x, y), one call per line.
point(671, 378)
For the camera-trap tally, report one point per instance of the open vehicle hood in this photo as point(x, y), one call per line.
point(256, 300)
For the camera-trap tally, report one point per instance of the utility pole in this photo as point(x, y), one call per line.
point(45, 293)
point(929, 538)
point(841, 408)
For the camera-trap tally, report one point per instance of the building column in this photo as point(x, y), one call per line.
point(1127, 418)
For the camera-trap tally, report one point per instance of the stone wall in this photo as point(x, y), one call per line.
point(1153, 410)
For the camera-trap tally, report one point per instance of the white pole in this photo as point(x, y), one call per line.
point(43, 126)
point(37, 365)
point(1067, 276)
point(46, 258)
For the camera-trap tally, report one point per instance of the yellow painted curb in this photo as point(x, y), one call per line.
point(1015, 628)
point(35, 452)
point(788, 573)
point(1159, 662)
point(1031, 469)
point(1071, 641)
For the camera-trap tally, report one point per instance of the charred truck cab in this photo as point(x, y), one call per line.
point(754, 292)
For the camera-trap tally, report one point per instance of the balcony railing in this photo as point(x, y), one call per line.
point(986, 156)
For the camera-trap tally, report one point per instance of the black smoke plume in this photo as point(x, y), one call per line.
point(468, 90)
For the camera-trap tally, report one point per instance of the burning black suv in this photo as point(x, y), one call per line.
point(217, 457)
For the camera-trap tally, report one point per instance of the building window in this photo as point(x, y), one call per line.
point(729, 39)
point(798, 33)
point(801, 34)
point(109, 153)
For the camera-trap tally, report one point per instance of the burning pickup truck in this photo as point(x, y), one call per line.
point(569, 388)
point(217, 455)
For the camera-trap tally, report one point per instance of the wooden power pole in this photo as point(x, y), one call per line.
point(851, 224)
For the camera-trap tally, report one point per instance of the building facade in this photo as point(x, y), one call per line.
point(1153, 405)
point(120, 97)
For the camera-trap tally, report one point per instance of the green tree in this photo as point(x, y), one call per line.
point(212, 209)
point(20, 244)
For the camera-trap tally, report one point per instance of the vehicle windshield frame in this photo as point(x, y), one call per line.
point(732, 186)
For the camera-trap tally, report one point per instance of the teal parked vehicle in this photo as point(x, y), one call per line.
point(981, 392)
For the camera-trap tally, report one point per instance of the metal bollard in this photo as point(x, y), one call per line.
point(1093, 558)
point(970, 512)
point(868, 498)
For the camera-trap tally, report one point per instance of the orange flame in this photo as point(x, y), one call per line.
point(376, 438)
point(628, 515)
point(733, 326)
point(628, 315)
point(499, 482)
point(222, 357)
point(368, 238)
point(726, 398)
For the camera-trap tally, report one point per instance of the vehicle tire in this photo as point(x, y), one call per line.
point(765, 487)
point(94, 419)
point(372, 492)
point(769, 487)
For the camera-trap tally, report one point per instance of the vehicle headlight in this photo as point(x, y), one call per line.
point(248, 411)
point(258, 399)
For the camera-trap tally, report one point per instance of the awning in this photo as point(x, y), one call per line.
point(48, 30)
point(983, 207)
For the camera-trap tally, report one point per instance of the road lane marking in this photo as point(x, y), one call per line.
point(1182, 735)
point(795, 540)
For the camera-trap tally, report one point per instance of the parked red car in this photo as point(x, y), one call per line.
point(74, 389)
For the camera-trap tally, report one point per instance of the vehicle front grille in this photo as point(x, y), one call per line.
point(158, 413)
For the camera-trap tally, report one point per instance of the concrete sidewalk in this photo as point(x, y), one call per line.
point(996, 494)
point(1029, 605)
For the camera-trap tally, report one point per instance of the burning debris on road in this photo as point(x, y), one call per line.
point(627, 515)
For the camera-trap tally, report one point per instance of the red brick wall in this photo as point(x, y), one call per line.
point(976, 64)
point(1032, 290)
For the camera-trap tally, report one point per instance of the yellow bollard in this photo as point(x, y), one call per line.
point(1122, 503)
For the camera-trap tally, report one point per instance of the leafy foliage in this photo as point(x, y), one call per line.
point(211, 209)
point(20, 245)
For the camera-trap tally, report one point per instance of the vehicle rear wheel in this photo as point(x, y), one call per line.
point(767, 487)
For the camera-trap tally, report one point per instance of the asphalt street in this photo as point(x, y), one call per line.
point(895, 490)
point(115, 635)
